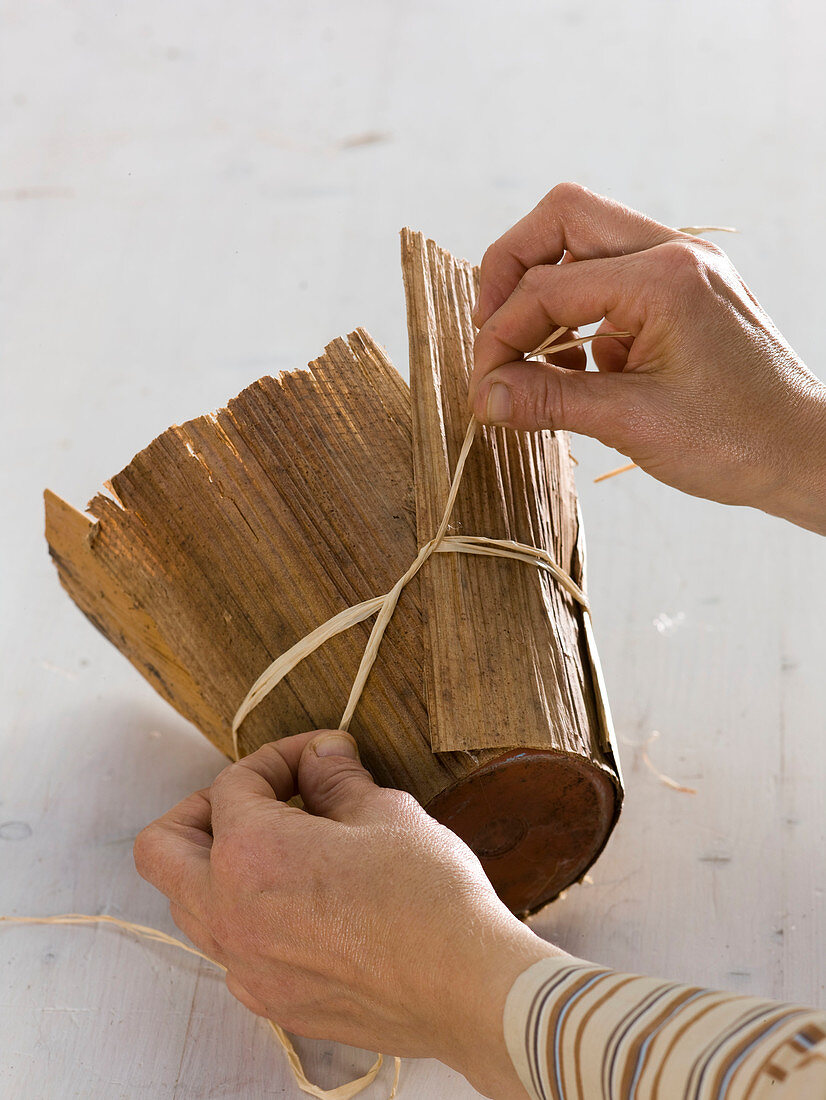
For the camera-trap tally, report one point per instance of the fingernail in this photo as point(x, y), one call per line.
point(499, 406)
point(336, 744)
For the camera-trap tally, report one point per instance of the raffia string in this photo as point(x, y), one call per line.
point(617, 470)
point(342, 1092)
point(385, 605)
point(696, 230)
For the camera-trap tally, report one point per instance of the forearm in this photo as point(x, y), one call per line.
point(578, 1030)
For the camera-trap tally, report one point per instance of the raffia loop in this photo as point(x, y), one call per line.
point(385, 605)
point(342, 1092)
point(518, 551)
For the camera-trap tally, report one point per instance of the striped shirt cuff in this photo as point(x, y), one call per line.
point(576, 1031)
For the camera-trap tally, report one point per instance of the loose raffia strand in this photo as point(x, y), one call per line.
point(342, 1092)
point(441, 543)
point(617, 470)
point(696, 230)
point(666, 780)
point(551, 348)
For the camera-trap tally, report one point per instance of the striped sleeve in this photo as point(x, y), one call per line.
point(576, 1031)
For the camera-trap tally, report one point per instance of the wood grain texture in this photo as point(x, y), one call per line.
point(230, 537)
point(504, 640)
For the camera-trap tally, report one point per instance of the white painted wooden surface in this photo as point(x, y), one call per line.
point(193, 194)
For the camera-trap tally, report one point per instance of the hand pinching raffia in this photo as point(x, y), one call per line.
point(359, 918)
point(706, 395)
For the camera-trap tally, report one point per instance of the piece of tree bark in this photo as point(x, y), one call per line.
point(230, 537)
point(503, 636)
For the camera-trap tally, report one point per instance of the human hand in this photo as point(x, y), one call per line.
point(361, 919)
point(705, 394)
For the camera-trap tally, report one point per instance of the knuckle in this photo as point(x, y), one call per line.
point(535, 279)
point(271, 762)
point(347, 781)
point(712, 252)
point(684, 264)
point(399, 804)
point(567, 194)
point(235, 856)
point(220, 779)
point(628, 426)
point(144, 849)
point(548, 402)
point(490, 258)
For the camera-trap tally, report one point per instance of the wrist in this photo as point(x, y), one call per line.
point(476, 1043)
point(801, 495)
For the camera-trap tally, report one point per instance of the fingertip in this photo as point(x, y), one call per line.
point(494, 401)
point(477, 401)
point(334, 743)
point(332, 780)
point(498, 404)
point(482, 311)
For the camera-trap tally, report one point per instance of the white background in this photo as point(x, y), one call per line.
point(194, 194)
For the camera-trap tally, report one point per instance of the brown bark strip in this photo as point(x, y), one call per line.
point(504, 662)
point(240, 532)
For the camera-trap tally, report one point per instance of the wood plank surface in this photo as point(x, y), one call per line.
point(172, 175)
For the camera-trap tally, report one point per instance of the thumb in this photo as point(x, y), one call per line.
point(530, 396)
point(331, 779)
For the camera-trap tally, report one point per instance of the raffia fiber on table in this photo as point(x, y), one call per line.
point(346, 1091)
